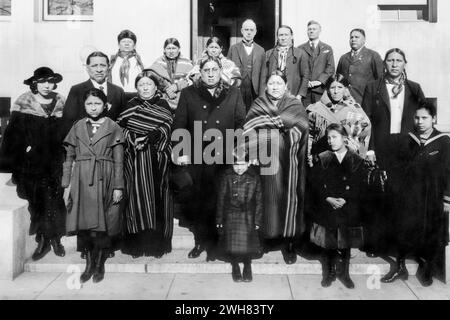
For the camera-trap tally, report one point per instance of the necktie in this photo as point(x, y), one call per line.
point(102, 88)
point(313, 47)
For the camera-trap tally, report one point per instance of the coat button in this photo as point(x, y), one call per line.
point(218, 122)
point(344, 178)
point(218, 107)
point(205, 122)
point(347, 188)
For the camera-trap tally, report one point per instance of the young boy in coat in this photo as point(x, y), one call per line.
point(94, 147)
point(239, 217)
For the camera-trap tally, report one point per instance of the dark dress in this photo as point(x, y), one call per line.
point(422, 226)
point(341, 228)
point(239, 210)
point(35, 153)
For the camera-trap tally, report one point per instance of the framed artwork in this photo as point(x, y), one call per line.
point(63, 10)
point(5, 10)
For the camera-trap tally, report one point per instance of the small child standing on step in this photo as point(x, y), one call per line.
point(239, 217)
point(94, 147)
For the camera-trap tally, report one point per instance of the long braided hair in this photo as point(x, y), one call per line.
point(277, 43)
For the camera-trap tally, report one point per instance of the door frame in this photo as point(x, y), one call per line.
point(194, 25)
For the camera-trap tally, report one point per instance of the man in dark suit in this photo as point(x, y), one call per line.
point(360, 65)
point(321, 63)
point(288, 59)
point(97, 64)
point(249, 57)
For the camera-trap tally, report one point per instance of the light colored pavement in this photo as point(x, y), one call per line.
point(135, 286)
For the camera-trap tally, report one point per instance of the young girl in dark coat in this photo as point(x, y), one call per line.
point(239, 217)
point(338, 186)
point(94, 147)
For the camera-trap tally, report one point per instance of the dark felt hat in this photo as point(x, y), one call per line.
point(127, 34)
point(44, 73)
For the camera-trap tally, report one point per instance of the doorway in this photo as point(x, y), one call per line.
point(224, 18)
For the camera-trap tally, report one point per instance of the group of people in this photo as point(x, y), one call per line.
point(358, 161)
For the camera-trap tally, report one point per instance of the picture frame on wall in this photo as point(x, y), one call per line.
point(5, 10)
point(64, 10)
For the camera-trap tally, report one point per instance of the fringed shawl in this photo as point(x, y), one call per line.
point(28, 104)
point(348, 113)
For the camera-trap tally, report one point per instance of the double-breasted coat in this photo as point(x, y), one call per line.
point(338, 180)
point(198, 111)
point(366, 66)
point(239, 211)
point(97, 172)
point(297, 71)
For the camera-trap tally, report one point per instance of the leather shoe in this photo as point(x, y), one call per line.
point(89, 271)
point(42, 249)
point(395, 275)
point(99, 273)
point(236, 273)
point(289, 254)
point(58, 248)
point(247, 273)
point(196, 252)
point(425, 274)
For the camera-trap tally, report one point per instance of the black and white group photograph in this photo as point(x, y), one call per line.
point(232, 151)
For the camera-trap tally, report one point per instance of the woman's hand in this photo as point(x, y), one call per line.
point(171, 91)
point(257, 227)
point(66, 196)
point(117, 196)
point(140, 143)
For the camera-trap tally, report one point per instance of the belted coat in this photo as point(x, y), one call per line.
point(97, 172)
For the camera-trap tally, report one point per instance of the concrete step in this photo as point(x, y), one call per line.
point(177, 262)
point(182, 239)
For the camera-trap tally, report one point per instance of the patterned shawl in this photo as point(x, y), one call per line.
point(284, 200)
point(28, 104)
point(348, 113)
point(167, 77)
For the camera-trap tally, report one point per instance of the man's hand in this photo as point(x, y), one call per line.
point(335, 203)
point(370, 156)
point(117, 196)
point(314, 84)
point(140, 143)
point(447, 208)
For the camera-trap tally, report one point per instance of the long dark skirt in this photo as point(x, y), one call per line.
point(46, 205)
point(337, 239)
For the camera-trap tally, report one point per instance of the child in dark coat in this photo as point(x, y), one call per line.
point(239, 217)
point(338, 187)
point(94, 147)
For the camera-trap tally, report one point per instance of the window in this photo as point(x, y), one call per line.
point(409, 10)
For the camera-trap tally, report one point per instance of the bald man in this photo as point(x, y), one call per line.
point(249, 57)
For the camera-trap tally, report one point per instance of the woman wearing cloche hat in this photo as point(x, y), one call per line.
point(34, 149)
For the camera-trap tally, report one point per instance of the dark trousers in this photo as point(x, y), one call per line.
point(248, 93)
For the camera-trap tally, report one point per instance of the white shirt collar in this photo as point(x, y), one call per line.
point(316, 42)
point(104, 85)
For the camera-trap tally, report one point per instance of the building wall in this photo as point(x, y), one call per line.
point(26, 42)
point(426, 44)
